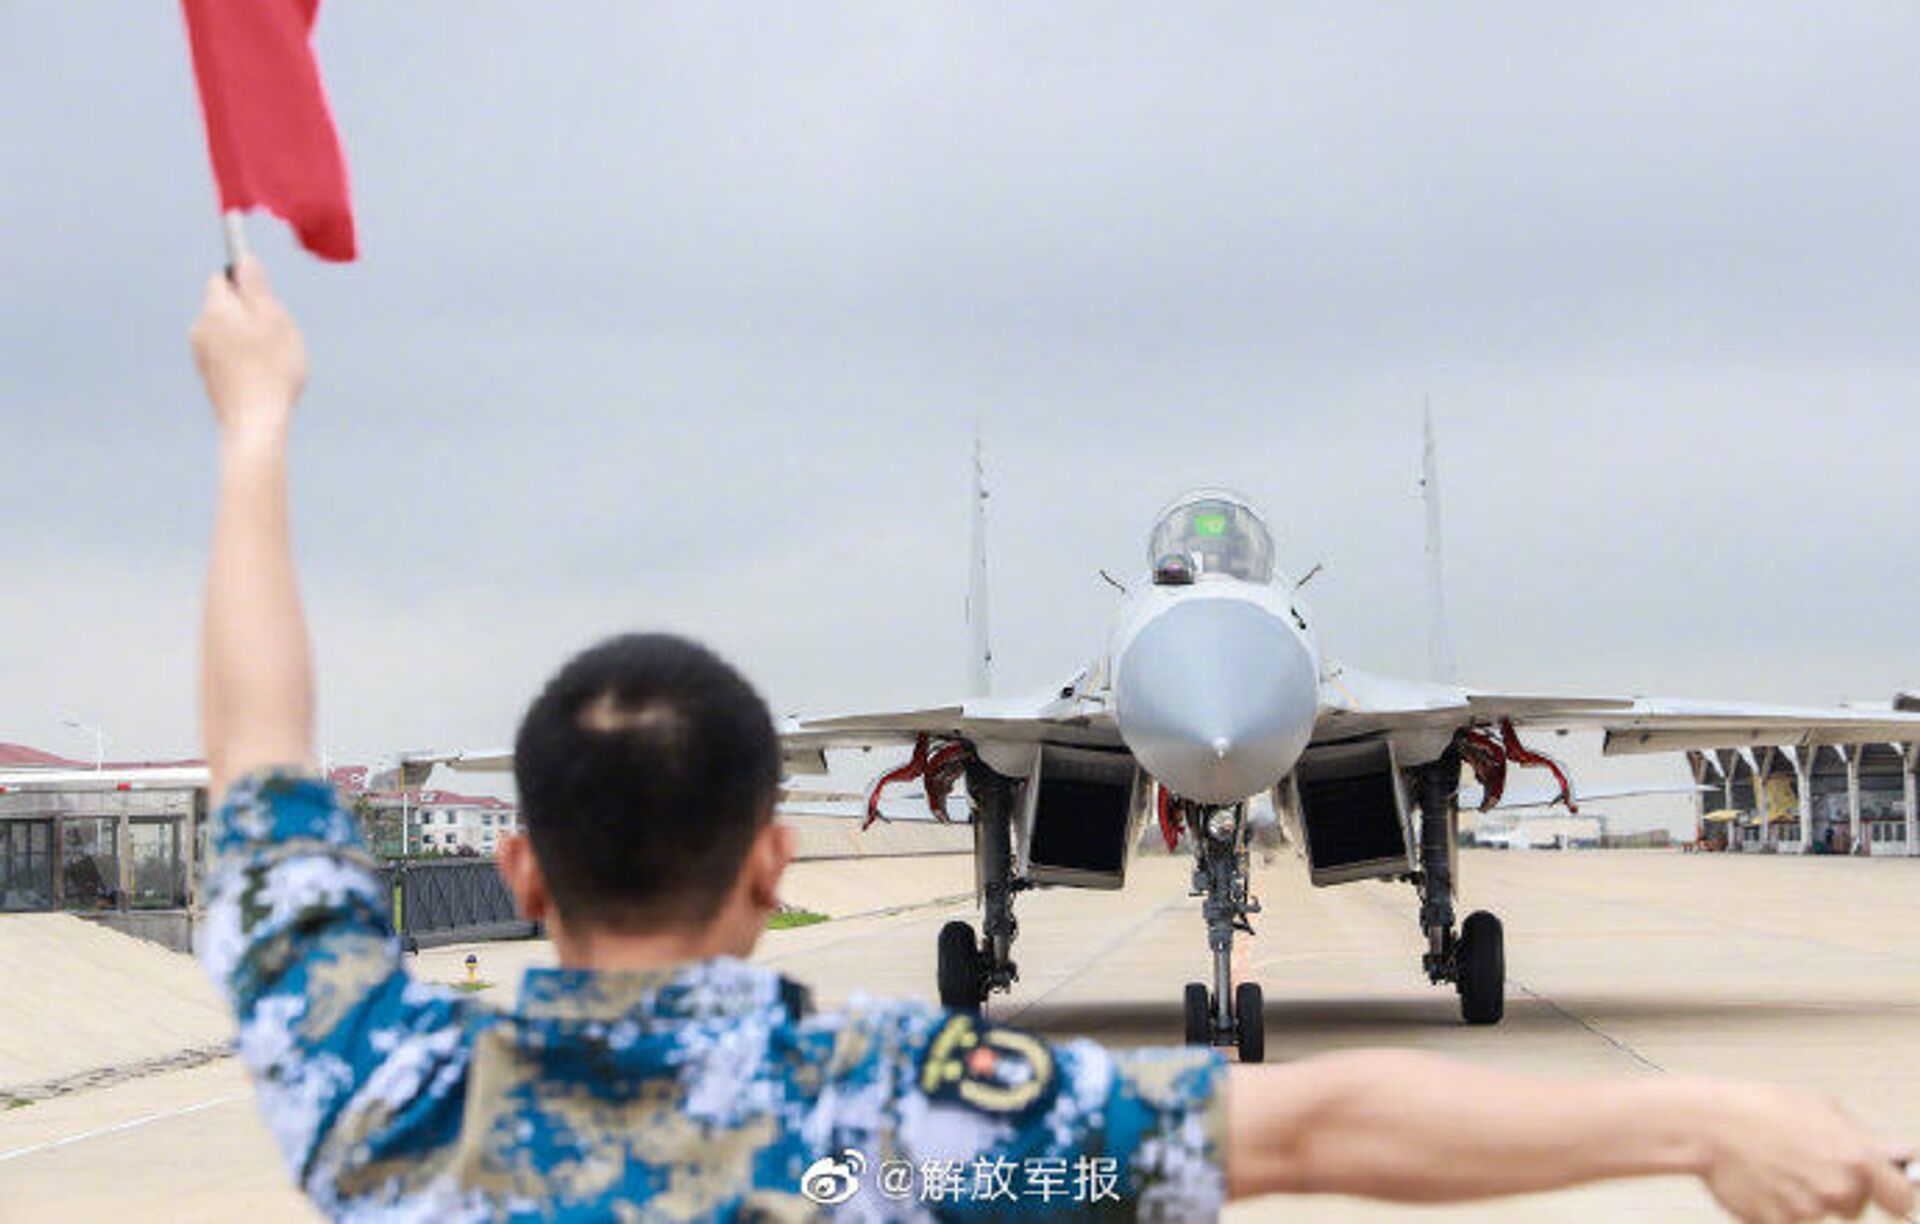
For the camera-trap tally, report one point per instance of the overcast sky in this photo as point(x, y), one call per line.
point(683, 316)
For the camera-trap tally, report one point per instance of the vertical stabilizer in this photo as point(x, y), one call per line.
point(1439, 642)
point(979, 644)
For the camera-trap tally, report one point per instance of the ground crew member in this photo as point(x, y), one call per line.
point(658, 1074)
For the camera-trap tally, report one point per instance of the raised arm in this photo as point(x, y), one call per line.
point(296, 935)
point(1412, 1128)
point(256, 682)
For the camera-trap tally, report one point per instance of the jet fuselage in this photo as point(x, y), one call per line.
point(1215, 677)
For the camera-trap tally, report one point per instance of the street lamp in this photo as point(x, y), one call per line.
point(99, 739)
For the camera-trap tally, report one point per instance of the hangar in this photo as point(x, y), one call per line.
point(1811, 798)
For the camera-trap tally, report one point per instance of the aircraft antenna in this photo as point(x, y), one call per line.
point(1439, 642)
point(979, 644)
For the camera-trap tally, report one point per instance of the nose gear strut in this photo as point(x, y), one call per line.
point(1224, 1015)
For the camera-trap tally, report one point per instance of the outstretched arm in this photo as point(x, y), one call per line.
point(1412, 1128)
point(256, 683)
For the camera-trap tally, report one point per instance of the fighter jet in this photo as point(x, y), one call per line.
point(1211, 698)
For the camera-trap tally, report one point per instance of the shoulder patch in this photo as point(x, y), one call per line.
point(988, 1067)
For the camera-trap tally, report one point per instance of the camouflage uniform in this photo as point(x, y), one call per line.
point(695, 1092)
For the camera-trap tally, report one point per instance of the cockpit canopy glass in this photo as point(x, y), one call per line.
point(1216, 533)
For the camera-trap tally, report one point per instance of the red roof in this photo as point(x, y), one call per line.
point(349, 780)
point(19, 756)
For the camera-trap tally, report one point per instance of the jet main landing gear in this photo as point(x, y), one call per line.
point(969, 968)
point(1475, 960)
point(1224, 1015)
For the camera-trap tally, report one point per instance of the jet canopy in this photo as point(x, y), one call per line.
point(1210, 532)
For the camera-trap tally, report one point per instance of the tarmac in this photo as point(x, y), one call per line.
point(1803, 971)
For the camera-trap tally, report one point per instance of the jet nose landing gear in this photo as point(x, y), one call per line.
point(1224, 1015)
point(1246, 1031)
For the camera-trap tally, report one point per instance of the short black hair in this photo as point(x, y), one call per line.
point(646, 767)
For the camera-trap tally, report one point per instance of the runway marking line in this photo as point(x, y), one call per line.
point(162, 1116)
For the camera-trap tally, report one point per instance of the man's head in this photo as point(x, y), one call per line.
point(648, 770)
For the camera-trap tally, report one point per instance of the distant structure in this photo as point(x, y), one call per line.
point(1551, 829)
point(122, 840)
point(114, 840)
point(1811, 799)
point(440, 822)
point(1516, 832)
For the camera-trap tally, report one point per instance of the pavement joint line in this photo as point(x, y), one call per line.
point(131, 1124)
point(908, 907)
point(1618, 1044)
point(1589, 1026)
point(118, 1073)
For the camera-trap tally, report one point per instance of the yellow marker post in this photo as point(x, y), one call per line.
point(473, 969)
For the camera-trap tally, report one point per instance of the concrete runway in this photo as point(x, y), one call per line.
point(1804, 971)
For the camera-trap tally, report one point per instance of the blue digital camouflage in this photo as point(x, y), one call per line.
point(695, 1092)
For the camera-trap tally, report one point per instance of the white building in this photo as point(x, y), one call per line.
point(453, 824)
point(443, 822)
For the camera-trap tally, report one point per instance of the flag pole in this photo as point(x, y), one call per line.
point(233, 223)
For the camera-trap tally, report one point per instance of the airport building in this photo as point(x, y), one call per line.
point(1825, 799)
point(113, 848)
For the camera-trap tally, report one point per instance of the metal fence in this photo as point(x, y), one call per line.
point(453, 901)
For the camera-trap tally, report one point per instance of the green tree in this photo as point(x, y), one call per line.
point(379, 826)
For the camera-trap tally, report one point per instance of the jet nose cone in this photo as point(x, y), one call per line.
point(1216, 698)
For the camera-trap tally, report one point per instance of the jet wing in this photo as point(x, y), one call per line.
point(1076, 718)
point(1677, 726)
point(1356, 703)
point(1071, 717)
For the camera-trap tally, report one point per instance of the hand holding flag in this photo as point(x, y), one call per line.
point(268, 126)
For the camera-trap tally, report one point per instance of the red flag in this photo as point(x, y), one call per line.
point(268, 127)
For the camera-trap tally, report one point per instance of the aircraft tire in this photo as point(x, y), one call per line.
point(1199, 1010)
point(962, 976)
point(1250, 1022)
point(1482, 975)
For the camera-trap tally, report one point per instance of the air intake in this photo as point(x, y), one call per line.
point(1083, 813)
point(1353, 813)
